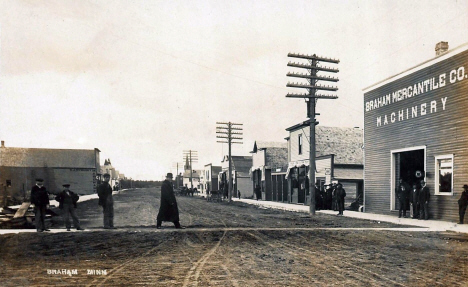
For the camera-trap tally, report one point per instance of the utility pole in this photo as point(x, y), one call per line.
point(191, 156)
point(311, 100)
point(226, 132)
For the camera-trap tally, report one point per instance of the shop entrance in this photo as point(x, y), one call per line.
point(409, 165)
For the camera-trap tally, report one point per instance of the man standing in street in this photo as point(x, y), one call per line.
point(40, 199)
point(340, 196)
point(403, 193)
point(463, 203)
point(424, 201)
point(104, 191)
point(67, 200)
point(168, 210)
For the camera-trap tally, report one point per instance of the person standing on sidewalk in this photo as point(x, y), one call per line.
point(340, 196)
point(168, 210)
point(414, 200)
point(403, 193)
point(463, 203)
point(258, 192)
point(104, 191)
point(40, 199)
point(67, 200)
point(424, 196)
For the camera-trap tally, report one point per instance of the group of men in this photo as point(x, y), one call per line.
point(331, 198)
point(67, 203)
point(67, 199)
point(417, 197)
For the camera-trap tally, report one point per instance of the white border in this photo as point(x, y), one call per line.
point(436, 174)
point(392, 171)
point(421, 66)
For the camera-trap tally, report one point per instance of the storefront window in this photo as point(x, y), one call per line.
point(444, 174)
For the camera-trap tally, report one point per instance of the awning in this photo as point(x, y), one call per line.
point(298, 163)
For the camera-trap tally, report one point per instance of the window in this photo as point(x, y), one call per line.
point(444, 174)
point(299, 140)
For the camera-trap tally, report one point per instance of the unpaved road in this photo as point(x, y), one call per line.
point(230, 244)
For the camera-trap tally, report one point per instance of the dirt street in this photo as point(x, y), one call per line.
point(229, 244)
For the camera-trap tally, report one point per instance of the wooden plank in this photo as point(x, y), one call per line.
point(22, 210)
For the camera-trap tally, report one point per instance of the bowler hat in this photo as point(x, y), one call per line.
point(106, 175)
point(39, 180)
point(66, 185)
point(465, 186)
point(169, 175)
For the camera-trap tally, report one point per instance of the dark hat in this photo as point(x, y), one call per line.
point(106, 175)
point(169, 174)
point(330, 184)
point(465, 186)
point(66, 185)
point(39, 180)
point(339, 184)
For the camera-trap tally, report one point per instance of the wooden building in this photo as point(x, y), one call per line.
point(339, 158)
point(240, 173)
point(210, 177)
point(19, 168)
point(268, 162)
point(416, 127)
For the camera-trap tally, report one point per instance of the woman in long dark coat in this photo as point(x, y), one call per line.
point(168, 210)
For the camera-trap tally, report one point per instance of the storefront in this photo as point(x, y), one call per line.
point(416, 128)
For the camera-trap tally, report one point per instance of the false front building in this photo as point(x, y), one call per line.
point(339, 158)
point(416, 128)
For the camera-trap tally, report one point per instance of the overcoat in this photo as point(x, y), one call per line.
point(168, 210)
point(39, 196)
point(63, 196)
point(424, 195)
point(463, 201)
point(103, 191)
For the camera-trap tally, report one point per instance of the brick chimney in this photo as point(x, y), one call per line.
point(441, 47)
point(3, 144)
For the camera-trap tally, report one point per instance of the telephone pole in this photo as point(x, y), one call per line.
point(190, 156)
point(226, 132)
point(311, 98)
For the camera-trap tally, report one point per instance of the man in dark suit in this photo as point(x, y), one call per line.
point(414, 200)
point(67, 200)
point(40, 199)
point(463, 203)
point(424, 195)
point(168, 210)
point(340, 196)
point(403, 193)
point(104, 191)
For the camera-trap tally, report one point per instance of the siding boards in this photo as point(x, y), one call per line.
point(444, 131)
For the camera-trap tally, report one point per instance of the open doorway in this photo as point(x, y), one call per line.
point(409, 165)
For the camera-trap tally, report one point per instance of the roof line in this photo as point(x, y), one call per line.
point(444, 56)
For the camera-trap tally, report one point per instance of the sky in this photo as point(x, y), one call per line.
point(144, 81)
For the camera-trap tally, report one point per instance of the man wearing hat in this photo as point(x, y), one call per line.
point(328, 197)
point(67, 200)
point(104, 191)
point(423, 200)
point(463, 203)
point(40, 199)
point(340, 196)
point(168, 210)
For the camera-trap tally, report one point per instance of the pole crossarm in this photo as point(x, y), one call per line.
point(305, 76)
point(317, 87)
point(223, 123)
point(313, 57)
point(221, 142)
point(289, 95)
point(325, 69)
